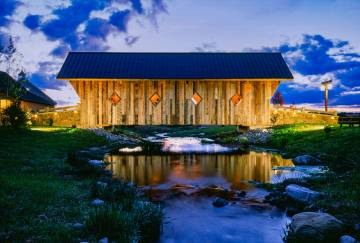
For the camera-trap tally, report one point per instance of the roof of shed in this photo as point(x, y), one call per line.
point(33, 93)
point(215, 65)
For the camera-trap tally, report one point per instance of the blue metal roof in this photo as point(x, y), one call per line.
point(215, 65)
point(32, 94)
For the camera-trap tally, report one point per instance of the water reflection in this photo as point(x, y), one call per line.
point(227, 170)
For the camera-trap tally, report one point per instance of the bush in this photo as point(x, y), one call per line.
point(327, 130)
point(141, 224)
point(14, 116)
point(117, 191)
point(50, 122)
point(148, 217)
point(112, 222)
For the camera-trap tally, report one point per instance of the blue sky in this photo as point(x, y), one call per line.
point(320, 39)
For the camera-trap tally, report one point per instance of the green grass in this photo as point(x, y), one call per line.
point(37, 199)
point(338, 148)
point(223, 134)
point(41, 196)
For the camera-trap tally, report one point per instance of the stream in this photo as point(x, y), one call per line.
point(186, 175)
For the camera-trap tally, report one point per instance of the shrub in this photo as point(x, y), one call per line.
point(112, 222)
point(244, 141)
point(117, 191)
point(148, 217)
point(14, 116)
point(327, 130)
point(50, 122)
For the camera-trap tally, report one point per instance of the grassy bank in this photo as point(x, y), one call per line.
point(41, 198)
point(339, 148)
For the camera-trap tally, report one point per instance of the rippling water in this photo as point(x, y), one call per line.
point(190, 216)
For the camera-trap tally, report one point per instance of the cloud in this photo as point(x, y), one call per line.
point(45, 77)
point(32, 21)
point(315, 59)
point(7, 8)
point(98, 28)
point(120, 20)
point(136, 4)
point(60, 51)
point(206, 47)
point(131, 40)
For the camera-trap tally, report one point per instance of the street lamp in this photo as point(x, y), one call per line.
point(326, 85)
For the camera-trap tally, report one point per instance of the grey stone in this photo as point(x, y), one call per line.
point(104, 240)
point(101, 185)
point(78, 226)
point(357, 227)
point(314, 227)
point(97, 202)
point(301, 194)
point(306, 160)
point(96, 163)
point(347, 239)
point(219, 202)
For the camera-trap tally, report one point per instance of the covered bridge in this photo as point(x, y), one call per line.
point(174, 88)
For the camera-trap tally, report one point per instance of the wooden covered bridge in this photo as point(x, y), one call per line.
point(174, 88)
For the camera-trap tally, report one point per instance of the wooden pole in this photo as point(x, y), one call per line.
point(326, 97)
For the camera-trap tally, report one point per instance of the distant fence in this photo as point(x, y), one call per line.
point(281, 115)
point(67, 116)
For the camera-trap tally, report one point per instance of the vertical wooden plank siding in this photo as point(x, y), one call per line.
point(175, 107)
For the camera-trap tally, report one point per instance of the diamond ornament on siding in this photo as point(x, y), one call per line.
point(196, 98)
point(155, 99)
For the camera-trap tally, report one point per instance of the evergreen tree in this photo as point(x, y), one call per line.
point(278, 99)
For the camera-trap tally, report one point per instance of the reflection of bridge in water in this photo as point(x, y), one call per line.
point(196, 169)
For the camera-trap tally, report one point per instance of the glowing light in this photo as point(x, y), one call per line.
point(332, 118)
point(130, 150)
point(191, 144)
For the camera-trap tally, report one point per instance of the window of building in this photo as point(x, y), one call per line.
point(155, 99)
point(235, 99)
point(196, 98)
point(115, 98)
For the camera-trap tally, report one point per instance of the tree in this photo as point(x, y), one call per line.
point(278, 99)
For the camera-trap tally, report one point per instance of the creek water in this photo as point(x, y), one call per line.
point(186, 175)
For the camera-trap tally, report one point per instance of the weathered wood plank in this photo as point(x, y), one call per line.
point(175, 106)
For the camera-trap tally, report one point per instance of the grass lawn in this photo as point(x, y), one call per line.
point(222, 134)
point(37, 199)
point(339, 148)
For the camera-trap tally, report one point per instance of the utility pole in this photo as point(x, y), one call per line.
point(327, 86)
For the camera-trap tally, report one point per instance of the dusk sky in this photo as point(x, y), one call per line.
point(319, 40)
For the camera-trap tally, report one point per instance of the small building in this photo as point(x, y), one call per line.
point(174, 88)
point(32, 98)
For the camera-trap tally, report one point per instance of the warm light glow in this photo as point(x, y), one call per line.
point(236, 99)
point(275, 111)
point(130, 150)
point(75, 112)
point(332, 118)
point(196, 98)
point(155, 99)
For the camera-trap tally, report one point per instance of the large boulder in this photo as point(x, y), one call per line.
point(306, 160)
point(314, 227)
point(301, 194)
point(220, 202)
point(347, 239)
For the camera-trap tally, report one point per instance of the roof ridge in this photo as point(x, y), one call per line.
point(222, 52)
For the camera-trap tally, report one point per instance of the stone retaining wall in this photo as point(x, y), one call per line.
point(288, 116)
point(69, 118)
